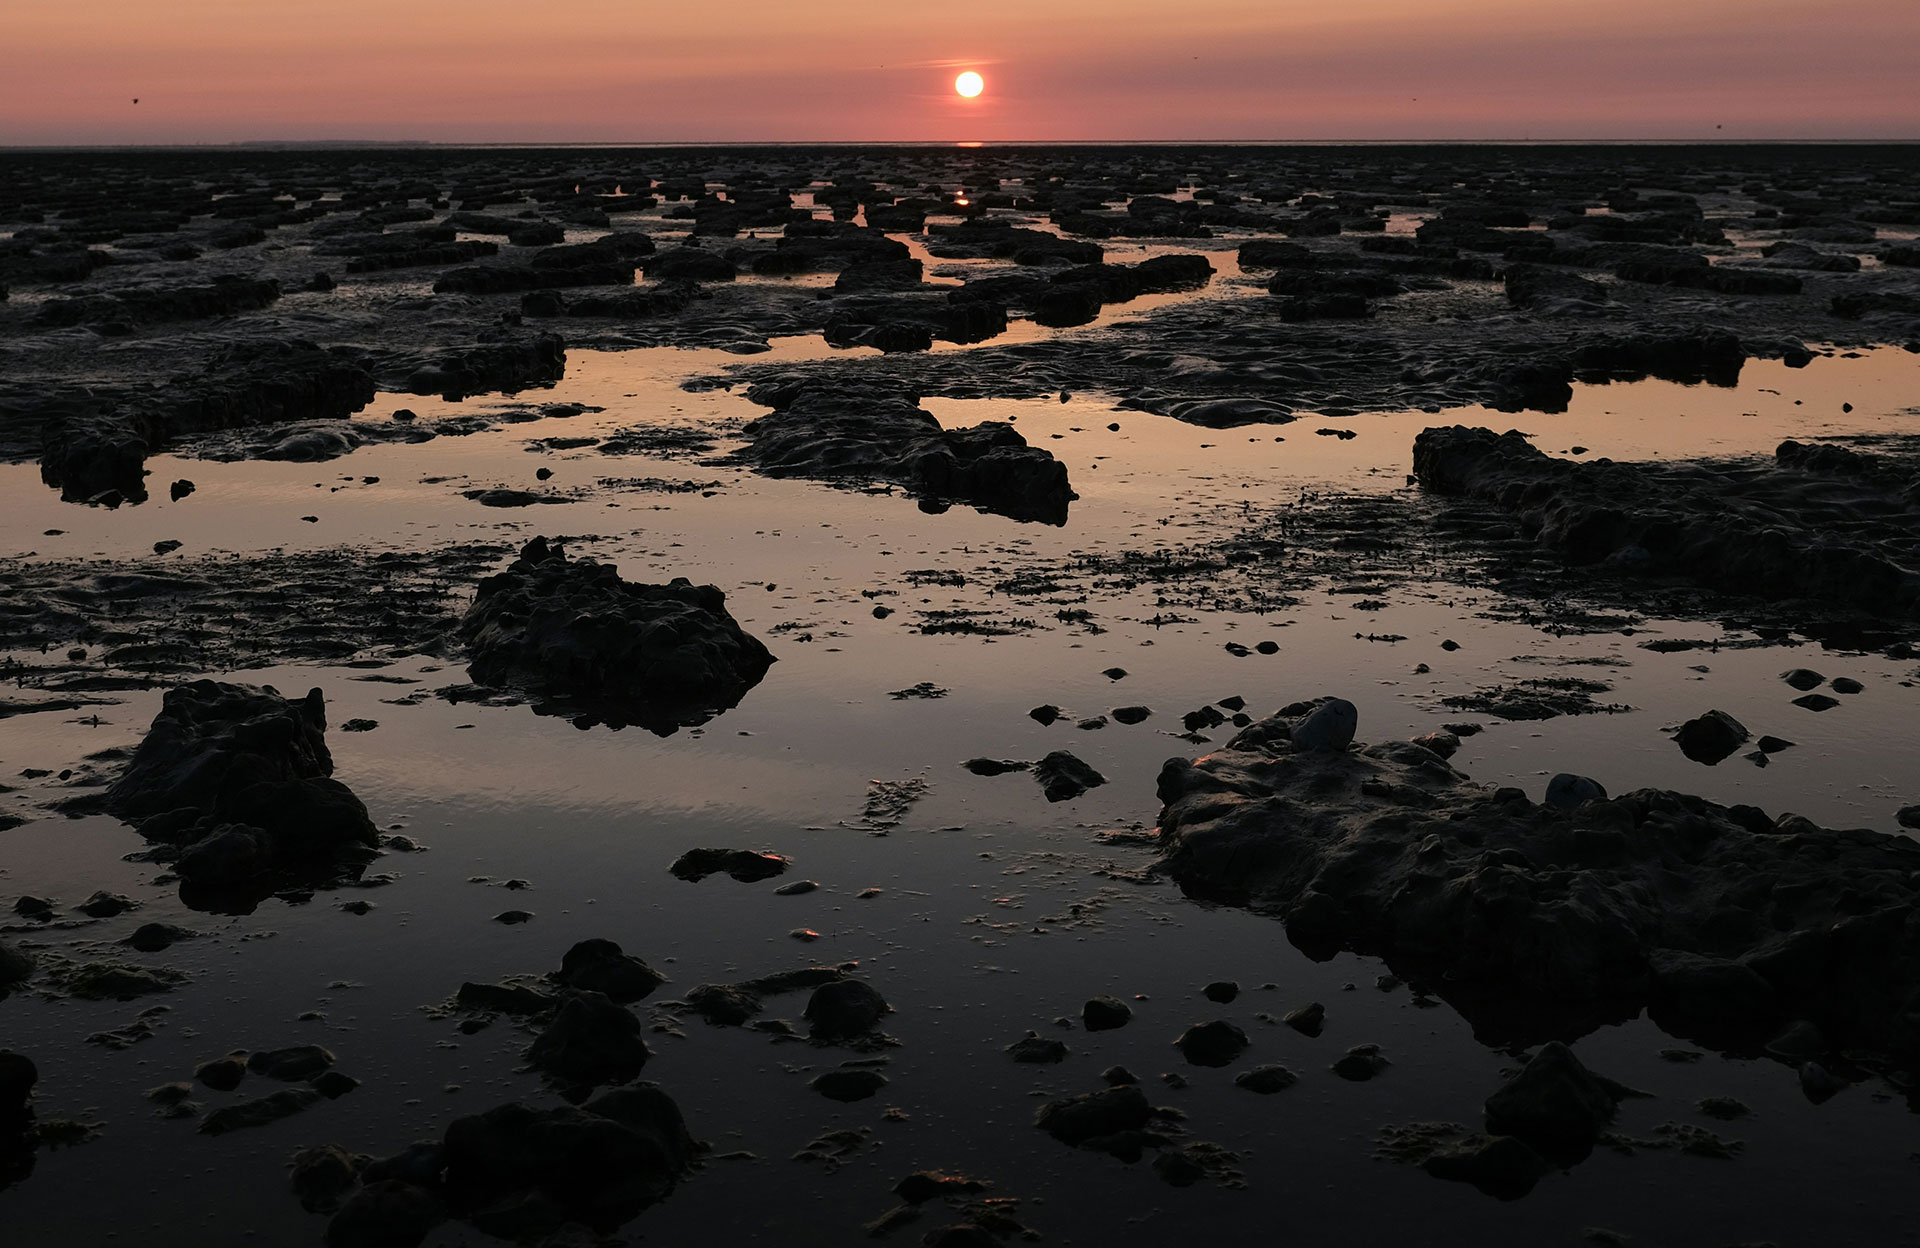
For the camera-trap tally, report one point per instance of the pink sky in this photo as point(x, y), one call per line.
point(851, 70)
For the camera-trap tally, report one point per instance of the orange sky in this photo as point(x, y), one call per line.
point(850, 70)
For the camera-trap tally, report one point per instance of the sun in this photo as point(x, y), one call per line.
point(969, 84)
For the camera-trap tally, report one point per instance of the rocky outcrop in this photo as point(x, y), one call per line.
point(236, 781)
point(1538, 920)
point(827, 431)
point(224, 296)
point(575, 635)
point(1774, 531)
point(94, 449)
point(508, 363)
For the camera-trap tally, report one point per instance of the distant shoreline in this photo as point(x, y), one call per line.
point(337, 145)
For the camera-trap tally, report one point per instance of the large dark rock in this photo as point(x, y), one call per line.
point(599, 1165)
point(1092, 1116)
point(386, 1214)
point(1711, 738)
point(1063, 776)
point(575, 633)
point(845, 1009)
point(600, 966)
point(94, 449)
point(510, 363)
point(850, 433)
point(1539, 921)
point(590, 1040)
point(240, 780)
point(1785, 531)
point(1555, 1104)
point(224, 296)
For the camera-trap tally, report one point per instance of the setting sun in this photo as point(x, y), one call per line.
point(969, 84)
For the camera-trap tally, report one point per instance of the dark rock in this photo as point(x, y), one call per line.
point(851, 433)
point(104, 905)
point(747, 866)
point(1212, 1044)
point(688, 264)
point(239, 777)
point(292, 1065)
point(1044, 715)
point(1551, 290)
point(322, 1176)
point(1105, 1014)
point(1803, 679)
point(602, 1163)
point(1569, 792)
point(1092, 1116)
point(258, 1113)
point(1063, 777)
point(590, 1041)
point(1389, 850)
point(1266, 1080)
point(845, 1009)
point(16, 965)
point(513, 999)
point(1130, 714)
point(1555, 1104)
point(658, 655)
point(1691, 521)
point(512, 279)
point(600, 966)
point(994, 766)
point(848, 1085)
point(1816, 702)
point(1308, 1020)
point(222, 1074)
point(1711, 737)
point(924, 1185)
point(333, 1084)
point(387, 1214)
point(1328, 728)
point(1361, 1063)
point(1037, 1049)
point(1221, 991)
point(1502, 1166)
point(18, 1074)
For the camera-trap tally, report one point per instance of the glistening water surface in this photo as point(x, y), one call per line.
point(996, 912)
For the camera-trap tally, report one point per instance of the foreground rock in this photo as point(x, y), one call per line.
point(1555, 1104)
point(515, 1172)
point(827, 431)
point(576, 634)
point(1822, 523)
point(236, 781)
point(1538, 921)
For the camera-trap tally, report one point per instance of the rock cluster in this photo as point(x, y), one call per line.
point(1538, 920)
point(827, 431)
point(1813, 526)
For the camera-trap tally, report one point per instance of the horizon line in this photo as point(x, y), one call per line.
point(483, 145)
